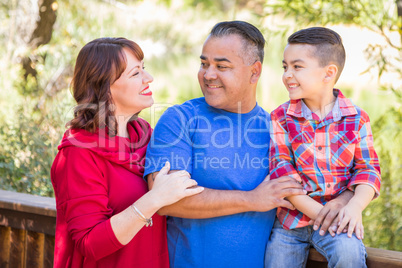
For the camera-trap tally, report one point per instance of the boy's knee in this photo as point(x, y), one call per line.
point(349, 252)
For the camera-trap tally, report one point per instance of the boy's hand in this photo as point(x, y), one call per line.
point(350, 218)
point(328, 216)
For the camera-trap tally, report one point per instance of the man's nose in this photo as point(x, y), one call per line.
point(210, 74)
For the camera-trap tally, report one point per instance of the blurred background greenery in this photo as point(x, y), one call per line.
point(40, 39)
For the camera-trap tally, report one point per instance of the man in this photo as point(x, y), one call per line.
point(222, 140)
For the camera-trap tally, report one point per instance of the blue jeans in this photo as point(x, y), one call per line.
point(290, 248)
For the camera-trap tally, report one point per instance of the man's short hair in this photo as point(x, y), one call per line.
point(327, 43)
point(253, 40)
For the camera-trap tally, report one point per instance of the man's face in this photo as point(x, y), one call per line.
point(225, 80)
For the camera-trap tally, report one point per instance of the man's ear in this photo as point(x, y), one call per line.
point(331, 72)
point(255, 72)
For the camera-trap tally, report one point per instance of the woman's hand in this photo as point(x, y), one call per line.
point(170, 188)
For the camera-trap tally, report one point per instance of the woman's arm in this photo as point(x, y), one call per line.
point(168, 189)
point(83, 201)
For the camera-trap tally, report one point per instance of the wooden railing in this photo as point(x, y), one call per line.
point(27, 227)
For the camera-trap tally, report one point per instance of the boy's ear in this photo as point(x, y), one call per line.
point(255, 72)
point(331, 72)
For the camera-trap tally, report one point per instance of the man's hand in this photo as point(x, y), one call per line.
point(328, 216)
point(271, 193)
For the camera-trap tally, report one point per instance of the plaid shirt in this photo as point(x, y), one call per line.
point(327, 156)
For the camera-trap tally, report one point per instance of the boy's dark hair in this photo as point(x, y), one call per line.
point(328, 45)
point(253, 40)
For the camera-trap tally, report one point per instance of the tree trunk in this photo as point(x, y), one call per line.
point(44, 26)
point(41, 35)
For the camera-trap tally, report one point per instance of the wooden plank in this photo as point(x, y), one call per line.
point(5, 239)
point(28, 203)
point(28, 221)
point(377, 258)
point(314, 255)
point(383, 258)
point(316, 260)
point(316, 264)
point(34, 250)
point(48, 251)
point(17, 249)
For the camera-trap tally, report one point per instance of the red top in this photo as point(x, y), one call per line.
point(95, 177)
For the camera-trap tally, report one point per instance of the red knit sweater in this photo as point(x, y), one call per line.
point(95, 177)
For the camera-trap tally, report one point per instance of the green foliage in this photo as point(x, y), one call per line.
point(367, 13)
point(382, 219)
point(31, 124)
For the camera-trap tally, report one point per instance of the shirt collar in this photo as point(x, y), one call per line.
point(342, 107)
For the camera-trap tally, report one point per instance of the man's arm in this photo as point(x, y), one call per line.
point(214, 203)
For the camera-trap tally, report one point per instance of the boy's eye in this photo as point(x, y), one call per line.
point(297, 66)
point(284, 67)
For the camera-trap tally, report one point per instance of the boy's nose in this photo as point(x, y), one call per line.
point(288, 74)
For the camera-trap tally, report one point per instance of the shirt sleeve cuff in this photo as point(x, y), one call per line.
point(101, 249)
point(352, 185)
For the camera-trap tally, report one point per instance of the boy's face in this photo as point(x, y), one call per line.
point(303, 76)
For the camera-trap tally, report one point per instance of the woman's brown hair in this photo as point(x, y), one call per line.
point(99, 64)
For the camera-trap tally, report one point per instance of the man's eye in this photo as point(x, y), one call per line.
point(222, 67)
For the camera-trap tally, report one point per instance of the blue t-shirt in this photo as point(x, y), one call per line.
point(223, 151)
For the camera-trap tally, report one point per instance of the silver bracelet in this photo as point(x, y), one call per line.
point(148, 222)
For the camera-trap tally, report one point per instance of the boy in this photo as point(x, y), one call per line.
point(323, 141)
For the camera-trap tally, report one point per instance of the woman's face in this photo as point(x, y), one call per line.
point(131, 92)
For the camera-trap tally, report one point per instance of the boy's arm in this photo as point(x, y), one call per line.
point(306, 205)
point(281, 161)
point(282, 164)
point(366, 167)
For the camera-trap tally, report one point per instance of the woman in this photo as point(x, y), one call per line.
point(102, 200)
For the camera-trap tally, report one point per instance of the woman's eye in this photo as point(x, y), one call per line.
point(135, 74)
